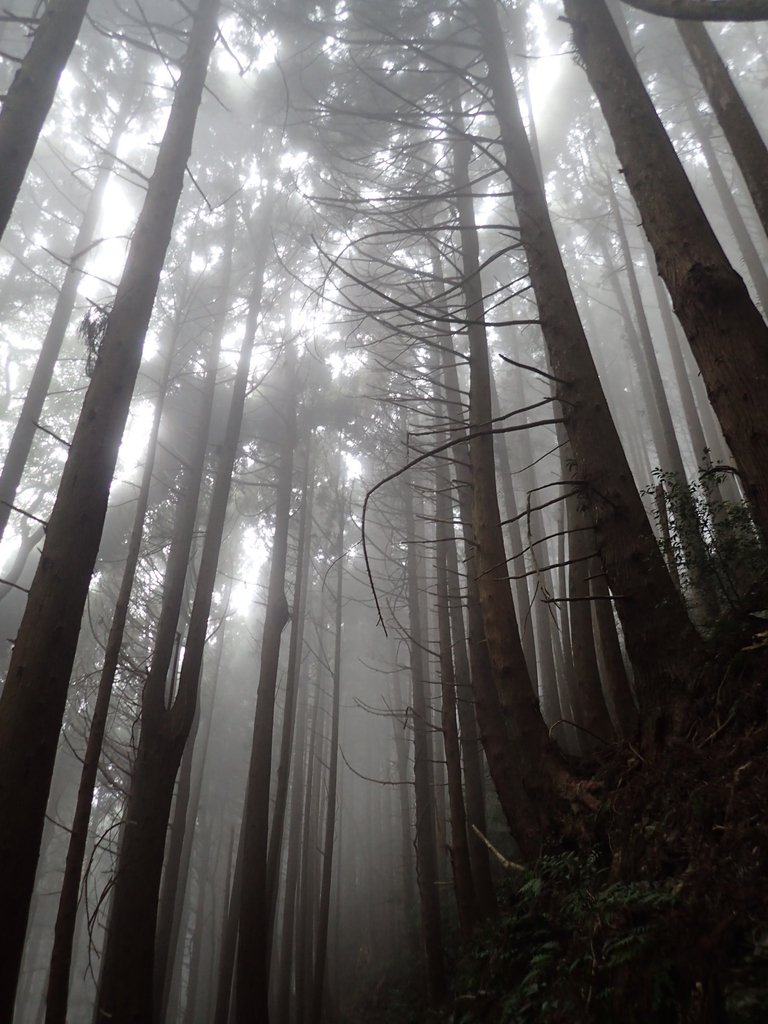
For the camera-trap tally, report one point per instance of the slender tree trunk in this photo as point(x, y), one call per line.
point(321, 941)
point(734, 118)
point(471, 746)
point(226, 964)
point(128, 968)
point(727, 334)
point(663, 646)
point(61, 956)
point(536, 762)
point(293, 675)
point(459, 846)
point(253, 953)
point(426, 839)
point(180, 842)
point(591, 711)
point(29, 415)
point(30, 95)
point(299, 787)
point(34, 698)
point(615, 680)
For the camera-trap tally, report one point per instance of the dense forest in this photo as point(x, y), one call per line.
point(383, 511)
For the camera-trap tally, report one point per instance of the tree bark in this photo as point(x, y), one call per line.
point(536, 762)
point(34, 698)
point(426, 838)
point(727, 334)
point(128, 965)
point(254, 945)
point(662, 644)
point(30, 95)
point(29, 415)
point(64, 931)
point(704, 10)
point(321, 940)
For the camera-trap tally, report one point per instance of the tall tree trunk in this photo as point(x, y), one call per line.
point(299, 787)
point(253, 952)
point(426, 838)
point(128, 967)
point(727, 334)
point(536, 762)
point(34, 698)
point(734, 118)
point(64, 931)
point(29, 415)
point(321, 941)
point(662, 644)
point(122, 996)
point(293, 675)
point(471, 746)
point(747, 247)
point(590, 710)
point(459, 845)
point(180, 842)
point(30, 95)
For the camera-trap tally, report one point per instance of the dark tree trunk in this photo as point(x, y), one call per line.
point(30, 95)
point(128, 966)
point(299, 790)
point(64, 932)
point(293, 674)
point(253, 952)
point(727, 334)
point(536, 762)
point(35, 693)
point(459, 845)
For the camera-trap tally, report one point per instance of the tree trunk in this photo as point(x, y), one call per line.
point(61, 956)
point(253, 952)
point(426, 838)
point(30, 95)
point(738, 126)
point(727, 334)
point(293, 674)
point(321, 941)
point(662, 644)
point(34, 698)
point(747, 247)
point(535, 761)
point(29, 415)
point(128, 966)
point(459, 846)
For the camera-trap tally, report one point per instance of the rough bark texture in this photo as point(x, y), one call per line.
point(34, 697)
point(662, 644)
point(727, 334)
point(29, 98)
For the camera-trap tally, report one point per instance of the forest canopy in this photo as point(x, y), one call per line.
point(383, 511)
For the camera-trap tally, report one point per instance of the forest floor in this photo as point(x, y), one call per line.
point(663, 915)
